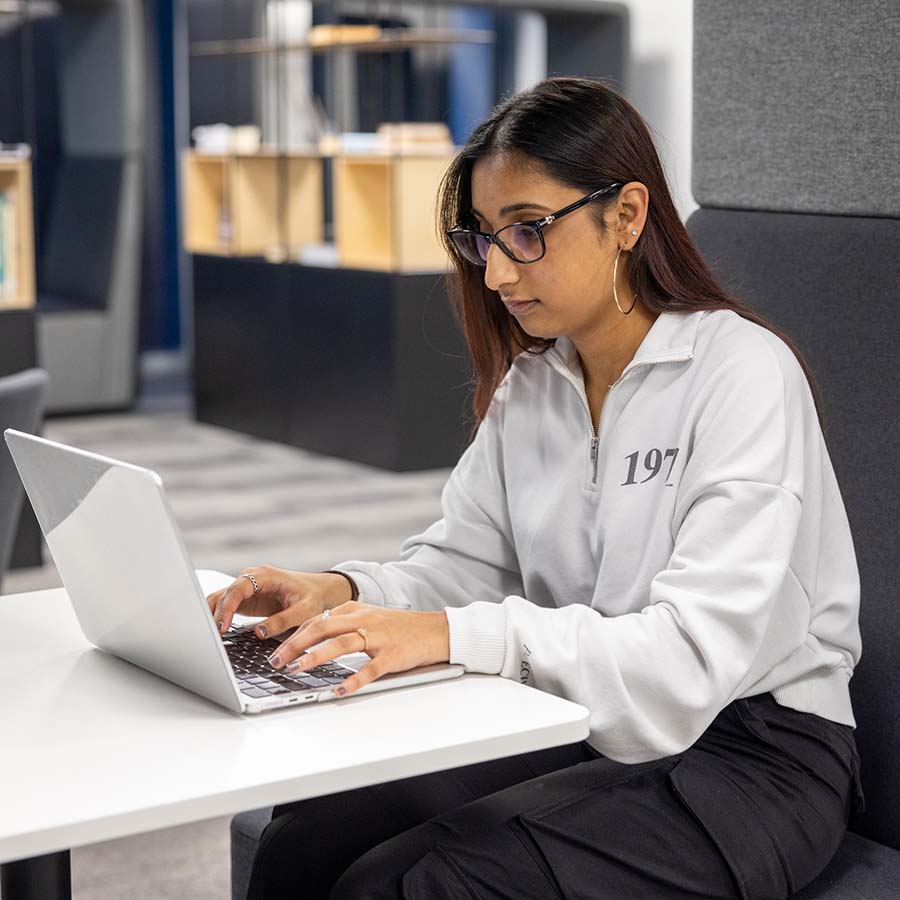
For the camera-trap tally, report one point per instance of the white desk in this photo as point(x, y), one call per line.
point(93, 748)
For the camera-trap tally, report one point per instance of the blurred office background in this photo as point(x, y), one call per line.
point(204, 244)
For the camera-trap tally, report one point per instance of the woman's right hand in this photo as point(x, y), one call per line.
point(287, 599)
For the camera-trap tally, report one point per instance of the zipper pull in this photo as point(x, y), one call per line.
point(595, 443)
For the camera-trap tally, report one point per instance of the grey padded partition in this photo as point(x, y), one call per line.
point(795, 106)
point(796, 150)
point(88, 344)
point(75, 267)
point(22, 399)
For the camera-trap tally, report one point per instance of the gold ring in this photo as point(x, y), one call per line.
point(253, 581)
point(365, 636)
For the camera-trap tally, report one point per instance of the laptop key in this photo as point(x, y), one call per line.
point(278, 689)
point(341, 670)
point(310, 681)
point(254, 692)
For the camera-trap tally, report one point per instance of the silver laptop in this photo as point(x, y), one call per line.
point(136, 594)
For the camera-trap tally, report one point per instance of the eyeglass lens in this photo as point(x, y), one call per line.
point(472, 246)
point(522, 242)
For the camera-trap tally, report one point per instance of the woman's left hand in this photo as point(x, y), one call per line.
point(395, 639)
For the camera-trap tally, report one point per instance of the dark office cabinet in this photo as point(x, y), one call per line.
point(368, 366)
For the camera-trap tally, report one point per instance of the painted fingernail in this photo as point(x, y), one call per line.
point(341, 691)
point(262, 631)
point(296, 666)
point(221, 625)
point(275, 660)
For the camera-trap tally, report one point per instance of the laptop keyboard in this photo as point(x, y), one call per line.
point(256, 678)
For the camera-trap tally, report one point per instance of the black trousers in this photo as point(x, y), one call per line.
point(754, 809)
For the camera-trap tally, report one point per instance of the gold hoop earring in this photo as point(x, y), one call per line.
point(615, 292)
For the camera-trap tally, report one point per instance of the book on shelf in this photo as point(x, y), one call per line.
point(8, 248)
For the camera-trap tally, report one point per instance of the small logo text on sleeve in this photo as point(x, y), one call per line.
point(524, 665)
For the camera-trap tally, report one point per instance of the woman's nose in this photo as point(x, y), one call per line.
point(499, 269)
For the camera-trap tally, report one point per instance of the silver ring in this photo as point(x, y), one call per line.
point(253, 581)
point(326, 613)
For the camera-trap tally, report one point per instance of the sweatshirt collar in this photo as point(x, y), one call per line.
point(670, 338)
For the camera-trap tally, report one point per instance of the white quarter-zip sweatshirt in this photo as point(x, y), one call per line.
point(695, 550)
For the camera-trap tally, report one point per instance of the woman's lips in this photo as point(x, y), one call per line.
point(518, 307)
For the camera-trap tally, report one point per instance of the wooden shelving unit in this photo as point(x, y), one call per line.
point(233, 205)
point(16, 233)
point(384, 207)
point(384, 210)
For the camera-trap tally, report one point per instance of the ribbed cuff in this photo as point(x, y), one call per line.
point(478, 636)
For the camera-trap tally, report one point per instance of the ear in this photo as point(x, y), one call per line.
point(631, 213)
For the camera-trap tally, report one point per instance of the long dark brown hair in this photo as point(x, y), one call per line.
point(583, 134)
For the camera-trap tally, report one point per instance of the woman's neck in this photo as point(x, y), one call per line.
point(607, 351)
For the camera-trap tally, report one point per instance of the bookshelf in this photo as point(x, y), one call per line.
point(384, 206)
point(234, 205)
point(16, 232)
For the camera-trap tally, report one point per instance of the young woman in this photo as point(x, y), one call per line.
point(646, 522)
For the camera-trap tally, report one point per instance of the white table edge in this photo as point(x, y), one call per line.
point(198, 809)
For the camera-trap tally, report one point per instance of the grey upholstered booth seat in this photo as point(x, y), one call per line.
point(832, 283)
point(861, 870)
point(21, 407)
point(246, 830)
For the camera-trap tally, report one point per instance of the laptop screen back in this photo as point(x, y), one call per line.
point(121, 558)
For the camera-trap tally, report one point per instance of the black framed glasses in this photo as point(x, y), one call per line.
point(522, 242)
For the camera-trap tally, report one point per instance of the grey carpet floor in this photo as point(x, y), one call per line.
point(239, 502)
